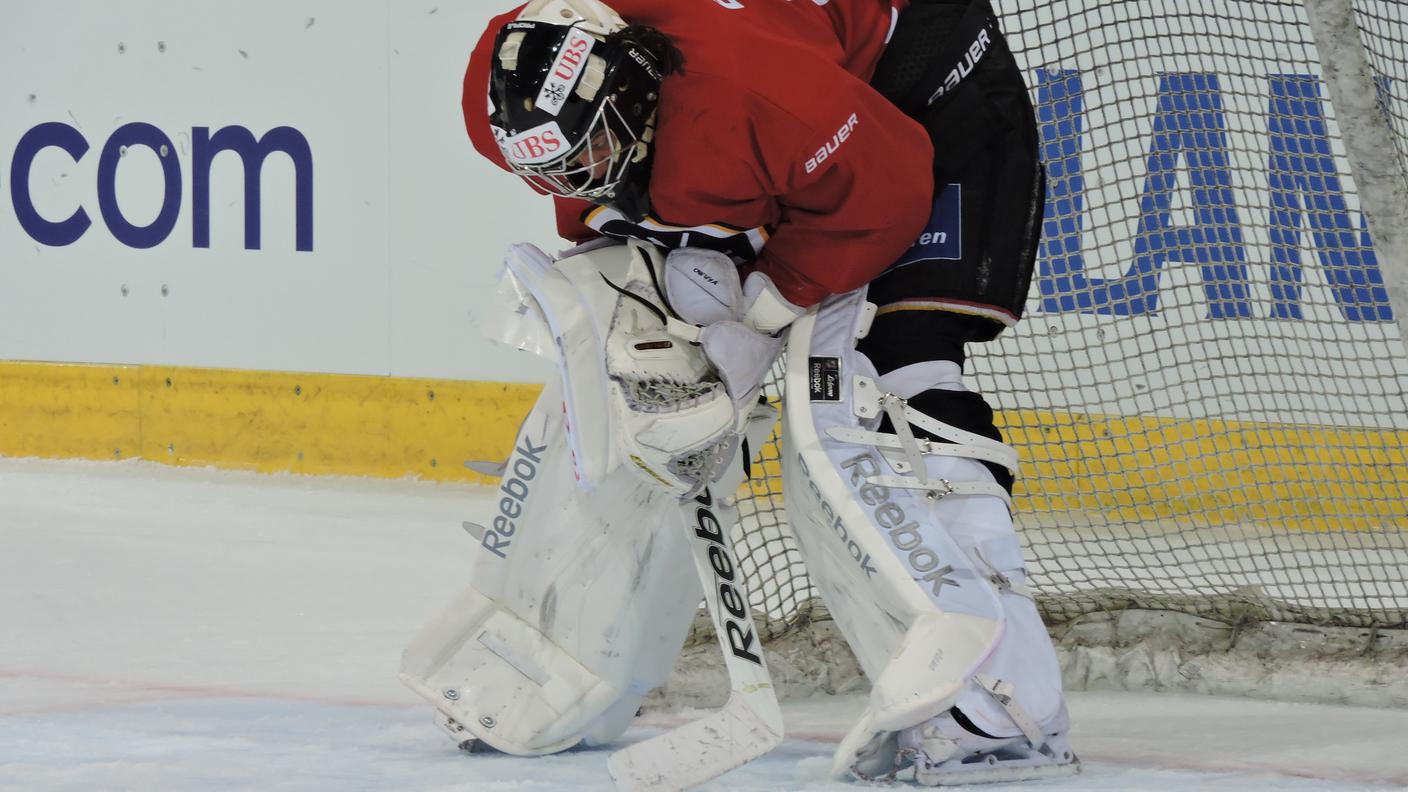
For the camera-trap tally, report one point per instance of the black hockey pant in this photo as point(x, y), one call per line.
point(966, 279)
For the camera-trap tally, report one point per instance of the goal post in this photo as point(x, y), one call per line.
point(1210, 389)
point(1364, 104)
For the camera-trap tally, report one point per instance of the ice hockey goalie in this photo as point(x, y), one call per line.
point(856, 180)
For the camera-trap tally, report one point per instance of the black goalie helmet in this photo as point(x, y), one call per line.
point(572, 98)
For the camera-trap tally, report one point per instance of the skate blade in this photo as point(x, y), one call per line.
point(981, 773)
point(457, 732)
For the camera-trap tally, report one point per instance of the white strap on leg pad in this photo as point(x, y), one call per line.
point(1003, 693)
point(871, 402)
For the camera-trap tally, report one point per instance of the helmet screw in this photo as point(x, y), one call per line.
point(451, 694)
point(488, 722)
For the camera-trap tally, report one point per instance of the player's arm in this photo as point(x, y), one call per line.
point(848, 203)
point(863, 28)
point(851, 174)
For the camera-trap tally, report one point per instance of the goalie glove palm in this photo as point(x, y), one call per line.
point(740, 321)
point(636, 391)
point(677, 418)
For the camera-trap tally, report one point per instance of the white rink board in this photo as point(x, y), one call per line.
point(410, 223)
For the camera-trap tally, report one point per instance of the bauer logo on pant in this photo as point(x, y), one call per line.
point(825, 379)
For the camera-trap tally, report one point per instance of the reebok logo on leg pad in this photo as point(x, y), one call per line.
point(824, 378)
point(515, 488)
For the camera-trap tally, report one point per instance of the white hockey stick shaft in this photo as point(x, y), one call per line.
point(750, 724)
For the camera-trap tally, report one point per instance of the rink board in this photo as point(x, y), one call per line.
point(176, 210)
point(261, 421)
point(1126, 468)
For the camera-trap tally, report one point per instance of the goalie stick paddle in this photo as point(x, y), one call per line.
point(750, 723)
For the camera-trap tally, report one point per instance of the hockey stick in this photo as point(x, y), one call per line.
point(750, 723)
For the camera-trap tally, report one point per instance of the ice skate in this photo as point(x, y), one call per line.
point(950, 751)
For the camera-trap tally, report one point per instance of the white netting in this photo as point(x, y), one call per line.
point(1209, 388)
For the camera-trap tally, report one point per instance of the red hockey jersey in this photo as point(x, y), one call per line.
point(770, 145)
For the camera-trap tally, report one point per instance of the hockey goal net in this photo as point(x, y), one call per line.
point(1210, 389)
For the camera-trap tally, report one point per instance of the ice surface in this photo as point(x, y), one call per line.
point(194, 630)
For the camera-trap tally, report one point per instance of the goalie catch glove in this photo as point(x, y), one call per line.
point(739, 323)
point(668, 395)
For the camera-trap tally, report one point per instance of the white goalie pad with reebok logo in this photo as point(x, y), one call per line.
point(577, 606)
point(580, 593)
point(911, 543)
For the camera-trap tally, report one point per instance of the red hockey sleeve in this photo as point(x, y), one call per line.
point(863, 27)
point(569, 220)
point(854, 187)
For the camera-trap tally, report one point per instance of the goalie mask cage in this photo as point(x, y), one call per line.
point(1208, 392)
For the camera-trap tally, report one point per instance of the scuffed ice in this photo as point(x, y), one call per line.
point(197, 630)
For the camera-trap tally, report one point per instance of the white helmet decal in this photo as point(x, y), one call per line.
point(530, 147)
point(592, 16)
point(566, 71)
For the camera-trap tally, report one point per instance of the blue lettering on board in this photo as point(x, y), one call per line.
point(1188, 150)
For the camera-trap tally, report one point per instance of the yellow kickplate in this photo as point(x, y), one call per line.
point(1127, 469)
point(251, 420)
point(76, 412)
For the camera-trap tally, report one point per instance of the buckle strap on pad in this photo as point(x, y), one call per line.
point(1001, 692)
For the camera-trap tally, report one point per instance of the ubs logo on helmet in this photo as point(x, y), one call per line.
point(536, 145)
point(566, 71)
point(574, 54)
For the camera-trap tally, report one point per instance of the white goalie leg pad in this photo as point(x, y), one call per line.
point(984, 529)
point(576, 606)
point(919, 616)
point(911, 542)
